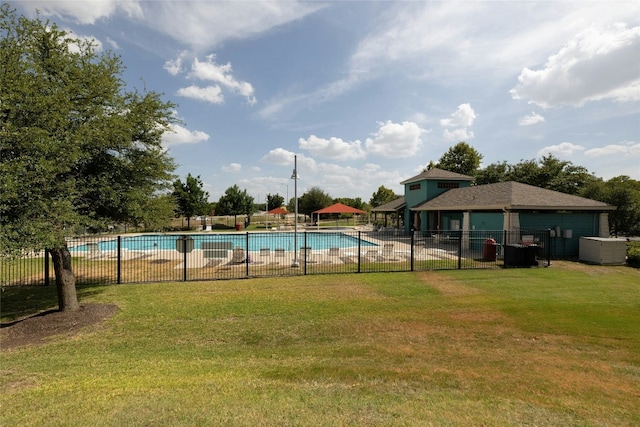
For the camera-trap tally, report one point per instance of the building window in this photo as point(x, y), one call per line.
point(414, 187)
point(448, 185)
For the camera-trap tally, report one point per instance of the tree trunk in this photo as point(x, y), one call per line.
point(65, 280)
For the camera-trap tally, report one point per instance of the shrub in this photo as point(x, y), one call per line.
point(633, 254)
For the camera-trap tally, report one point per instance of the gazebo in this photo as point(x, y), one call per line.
point(277, 211)
point(337, 208)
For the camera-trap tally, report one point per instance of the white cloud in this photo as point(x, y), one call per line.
point(209, 70)
point(396, 139)
point(564, 149)
point(464, 116)
point(232, 167)
point(82, 39)
point(333, 148)
point(181, 135)
point(459, 120)
point(597, 64)
point(458, 135)
point(205, 24)
point(174, 66)
point(531, 119)
point(278, 156)
point(85, 12)
point(212, 94)
point(623, 149)
point(114, 44)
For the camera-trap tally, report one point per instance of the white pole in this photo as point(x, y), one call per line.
point(295, 221)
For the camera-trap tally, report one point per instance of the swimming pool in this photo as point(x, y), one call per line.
point(256, 241)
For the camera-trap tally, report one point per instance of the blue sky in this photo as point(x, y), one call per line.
point(368, 93)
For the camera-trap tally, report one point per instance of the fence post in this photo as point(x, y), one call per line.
point(119, 262)
point(184, 258)
point(460, 249)
point(413, 233)
point(246, 258)
point(359, 240)
point(46, 267)
point(306, 255)
point(548, 246)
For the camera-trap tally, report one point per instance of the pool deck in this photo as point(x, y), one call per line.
point(387, 250)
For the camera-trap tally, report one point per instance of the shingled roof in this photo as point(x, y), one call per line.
point(391, 206)
point(509, 195)
point(438, 174)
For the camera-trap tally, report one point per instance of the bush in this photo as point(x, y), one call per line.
point(633, 254)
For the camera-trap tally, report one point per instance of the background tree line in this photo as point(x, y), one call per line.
point(553, 174)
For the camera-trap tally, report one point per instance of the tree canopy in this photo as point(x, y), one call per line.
point(382, 196)
point(311, 201)
point(274, 201)
point(548, 172)
point(624, 193)
point(76, 148)
point(235, 202)
point(190, 198)
point(461, 158)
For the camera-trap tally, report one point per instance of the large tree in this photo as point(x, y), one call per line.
point(190, 197)
point(274, 201)
point(382, 196)
point(624, 193)
point(551, 173)
point(76, 148)
point(461, 158)
point(235, 202)
point(314, 199)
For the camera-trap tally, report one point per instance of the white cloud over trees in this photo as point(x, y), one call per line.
point(597, 64)
point(395, 139)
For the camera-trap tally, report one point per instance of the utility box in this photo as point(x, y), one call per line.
point(603, 250)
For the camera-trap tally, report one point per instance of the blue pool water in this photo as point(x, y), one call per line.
point(257, 241)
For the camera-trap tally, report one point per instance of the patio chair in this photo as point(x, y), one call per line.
point(94, 251)
point(279, 253)
point(306, 255)
point(334, 252)
point(238, 256)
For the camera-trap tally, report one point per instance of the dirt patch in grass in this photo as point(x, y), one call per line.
point(38, 328)
point(591, 269)
point(446, 285)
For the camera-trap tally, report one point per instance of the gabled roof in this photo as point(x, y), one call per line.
point(339, 208)
point(509, 195)
point(279, 211)
point(438, 174)
point(392, 206)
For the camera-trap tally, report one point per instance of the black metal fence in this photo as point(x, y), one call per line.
point(209, 256)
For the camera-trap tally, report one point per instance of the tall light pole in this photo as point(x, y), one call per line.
point(294, 177)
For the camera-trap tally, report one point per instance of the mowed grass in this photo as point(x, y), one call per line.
point(556, 346)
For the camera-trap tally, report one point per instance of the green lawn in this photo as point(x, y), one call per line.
point(556, 346)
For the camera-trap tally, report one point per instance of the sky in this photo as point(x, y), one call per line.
point(366, 93)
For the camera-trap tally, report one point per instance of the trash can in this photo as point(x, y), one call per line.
point(489, 250)
point(238, 226)
point(520, 255)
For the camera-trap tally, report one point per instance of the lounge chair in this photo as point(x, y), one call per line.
point(388, 253)
point(279, 253)
point(215, 253)
point(265, 256)
point(334, 251)
point(238, 256)
point(94, 251)
point(306, 255)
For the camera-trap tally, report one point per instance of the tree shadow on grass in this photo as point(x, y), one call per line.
point(17, 302)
